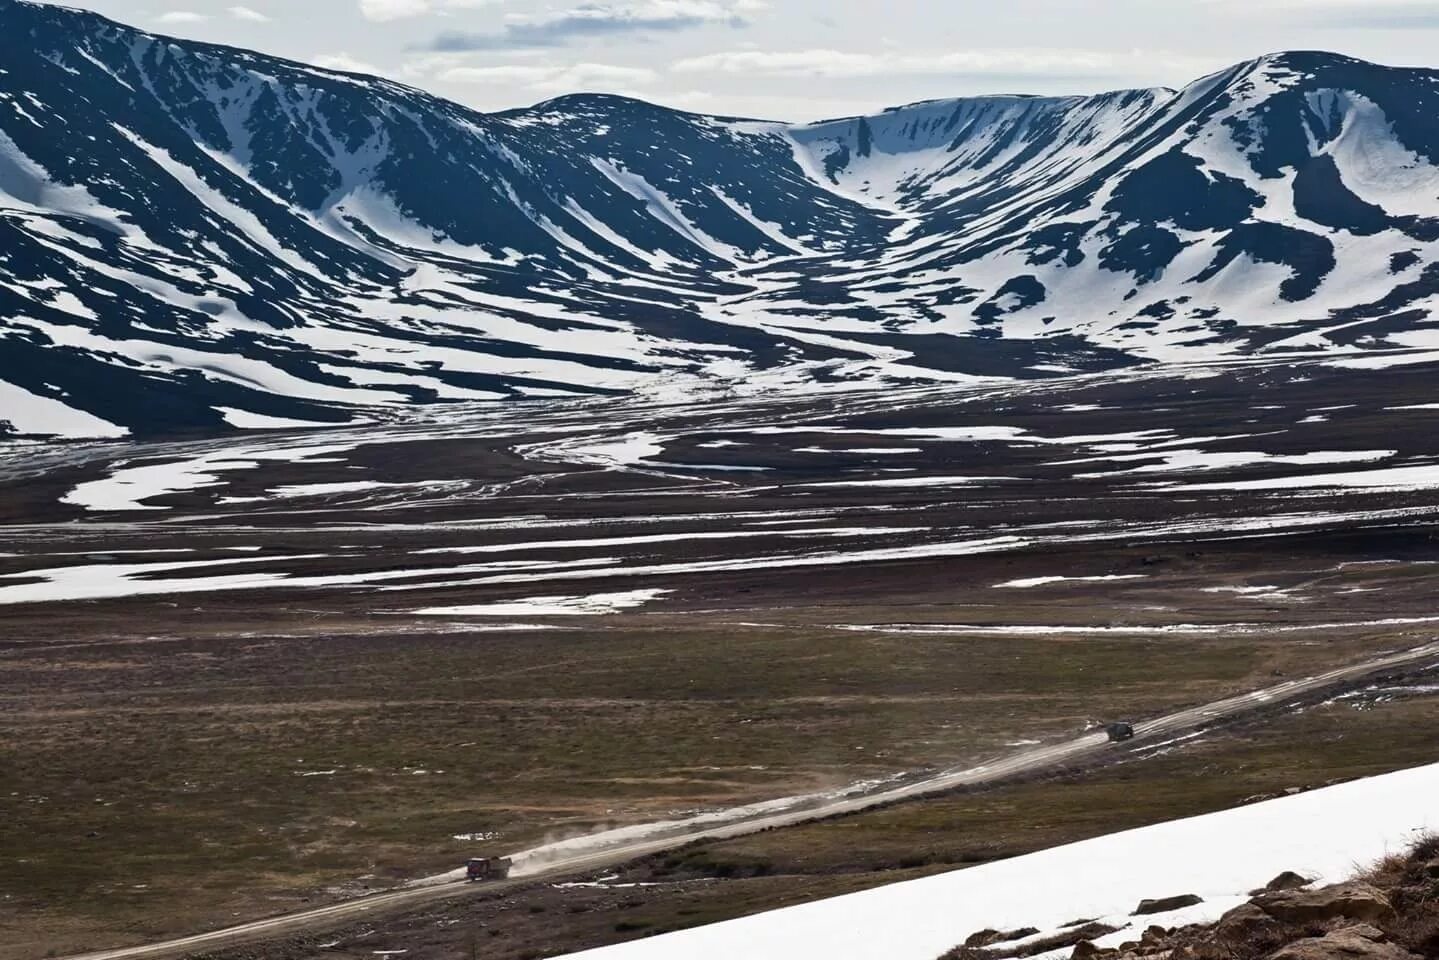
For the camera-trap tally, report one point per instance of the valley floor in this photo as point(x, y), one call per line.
point(246, 676)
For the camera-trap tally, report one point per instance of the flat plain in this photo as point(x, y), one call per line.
point(241, 676)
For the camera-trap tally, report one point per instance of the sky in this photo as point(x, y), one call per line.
point(789, 59)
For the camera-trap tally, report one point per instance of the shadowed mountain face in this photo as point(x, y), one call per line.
point(193, 236)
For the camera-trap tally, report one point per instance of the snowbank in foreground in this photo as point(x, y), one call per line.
point(1325, 834)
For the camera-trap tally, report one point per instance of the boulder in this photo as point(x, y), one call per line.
point(1247, 924)
point(1085, 949)
point(1347, 901)
point(1365, 930)
point(1351, 943)
point(981, 938)
point(1166, 904)
point(988, 938)
point(1153, 936)
point(1288, 880)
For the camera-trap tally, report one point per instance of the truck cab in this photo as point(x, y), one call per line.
point(487, 868)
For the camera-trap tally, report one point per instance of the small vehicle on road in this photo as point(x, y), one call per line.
point(1119, 731)
point(487, 868)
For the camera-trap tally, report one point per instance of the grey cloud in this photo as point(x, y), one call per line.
point(1345, 14)
point(1385, 20)
point(592, 20)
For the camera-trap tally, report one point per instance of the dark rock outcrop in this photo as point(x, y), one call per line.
point(1288, 880)
point(1166, 904)
point(988, 938)
point(1248, 924)
point(1351, 943)
point(1356, 901)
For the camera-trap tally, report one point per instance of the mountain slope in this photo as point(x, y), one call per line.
point(1328, 834)
point(1269, 205)
point(192, 235)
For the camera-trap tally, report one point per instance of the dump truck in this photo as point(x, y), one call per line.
point(1119, 731)
point(488, 868)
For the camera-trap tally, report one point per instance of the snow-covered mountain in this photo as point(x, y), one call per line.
point(193, 235)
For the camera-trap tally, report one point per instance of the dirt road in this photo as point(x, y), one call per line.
point(606, 850)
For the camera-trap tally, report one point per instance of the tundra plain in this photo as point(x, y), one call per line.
point(249, 674)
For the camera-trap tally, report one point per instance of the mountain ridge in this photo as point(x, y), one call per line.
point(200, 237)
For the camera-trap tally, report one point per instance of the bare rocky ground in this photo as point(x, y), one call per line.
point(219, 698)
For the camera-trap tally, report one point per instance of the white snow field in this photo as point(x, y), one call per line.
point(598, 603)
point(1326, 834)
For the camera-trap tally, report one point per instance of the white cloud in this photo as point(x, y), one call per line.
point(383, 10)
point(571, 78)
point(507, 74)
point(655, 11)
point(344, 62)
point(1379, 14)
point(181, 16)
point(422, 68)
point(247, 13)
point(1355, 6)
point(837, 63)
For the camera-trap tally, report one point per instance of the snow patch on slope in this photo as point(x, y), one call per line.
point(1323, 834)
point(595, 603)
point(32, 414)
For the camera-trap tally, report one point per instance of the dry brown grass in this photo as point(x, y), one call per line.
point(1411, 881)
